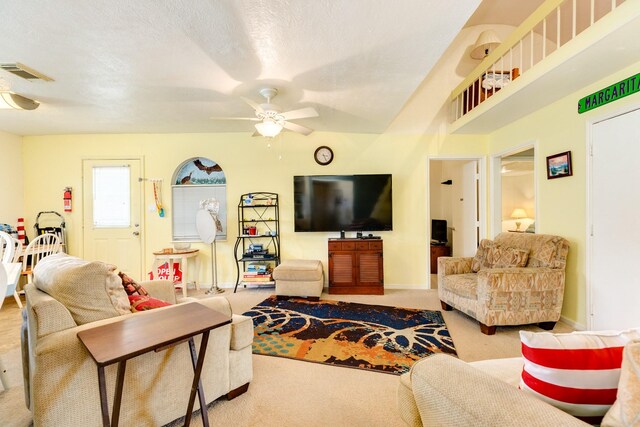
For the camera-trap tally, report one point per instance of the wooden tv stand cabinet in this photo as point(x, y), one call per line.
point(356, 266)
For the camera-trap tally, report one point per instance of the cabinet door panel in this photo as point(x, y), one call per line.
point(342, 268)
point(369, 268)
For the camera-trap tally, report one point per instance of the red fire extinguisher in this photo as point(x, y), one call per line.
point(67, 199)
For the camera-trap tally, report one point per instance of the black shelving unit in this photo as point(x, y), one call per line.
point(258, 213)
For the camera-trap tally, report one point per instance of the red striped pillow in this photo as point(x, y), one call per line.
point(576, 372)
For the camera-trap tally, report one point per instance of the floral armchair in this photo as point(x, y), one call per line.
point(516, 279)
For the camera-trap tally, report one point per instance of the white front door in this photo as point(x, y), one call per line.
point(615, 229)
point(112, 213)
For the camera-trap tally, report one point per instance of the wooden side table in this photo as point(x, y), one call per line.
point(120, 341)
point(436, 252)
point(170, 256)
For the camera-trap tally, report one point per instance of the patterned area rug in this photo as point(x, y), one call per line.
point(374, 337)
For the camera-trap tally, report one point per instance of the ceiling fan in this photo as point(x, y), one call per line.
point(271, 120)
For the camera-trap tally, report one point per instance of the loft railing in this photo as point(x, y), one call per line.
point(546, 30)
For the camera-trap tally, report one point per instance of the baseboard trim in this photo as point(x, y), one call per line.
point(420, 286)
point(575, 325)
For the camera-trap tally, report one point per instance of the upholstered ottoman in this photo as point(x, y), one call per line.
point(299, 278)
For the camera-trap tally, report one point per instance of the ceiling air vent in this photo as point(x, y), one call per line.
point(25, 72)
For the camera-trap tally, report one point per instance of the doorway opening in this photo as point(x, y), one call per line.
point(514, 202)
point(456, 209)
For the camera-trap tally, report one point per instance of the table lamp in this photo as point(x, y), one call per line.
point(518, 214)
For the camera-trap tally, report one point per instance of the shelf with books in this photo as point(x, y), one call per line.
point(258, 241)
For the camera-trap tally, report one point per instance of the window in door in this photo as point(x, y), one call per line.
point(111, 196)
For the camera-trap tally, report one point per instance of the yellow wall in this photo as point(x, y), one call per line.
point(563, 202)
point(11, 179)
point(251, 166)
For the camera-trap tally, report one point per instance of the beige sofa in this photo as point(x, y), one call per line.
point(444, 391)
point(61, 381)
point(508, 296)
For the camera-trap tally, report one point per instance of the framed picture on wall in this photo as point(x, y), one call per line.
point(559, 165)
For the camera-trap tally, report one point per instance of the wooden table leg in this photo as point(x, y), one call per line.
point(154, 267)
point(197, 362)
point(104, 405)
point(184, 266)
point(197, 271)
point(117, 399)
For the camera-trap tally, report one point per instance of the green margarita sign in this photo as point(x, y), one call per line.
point(609, 94)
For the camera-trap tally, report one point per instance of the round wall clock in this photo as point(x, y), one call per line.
point(323, 155)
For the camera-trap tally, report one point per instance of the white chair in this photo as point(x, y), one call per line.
point(9, 254)
point(40, 247)
point(7, 247)
point(18, 249)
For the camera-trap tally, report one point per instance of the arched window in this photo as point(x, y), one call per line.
point(197, 179)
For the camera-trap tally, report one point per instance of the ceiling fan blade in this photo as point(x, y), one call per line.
point(256, 133)
point(297, 128)
point(302, 113)
point(253, 119)
point(253, 104)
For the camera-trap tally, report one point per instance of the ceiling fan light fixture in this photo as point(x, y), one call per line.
point(268, 128)
point(18, 102)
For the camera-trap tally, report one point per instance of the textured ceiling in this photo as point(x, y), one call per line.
point(168, 66)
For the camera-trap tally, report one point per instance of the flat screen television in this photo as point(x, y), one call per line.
point(439, 231)
point(343, 202)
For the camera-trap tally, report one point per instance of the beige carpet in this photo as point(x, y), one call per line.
point(287, 392)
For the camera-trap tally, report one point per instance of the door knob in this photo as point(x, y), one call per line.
point(136, 233)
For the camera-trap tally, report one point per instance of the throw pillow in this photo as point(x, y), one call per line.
point(89, 290)
point(498, 256)
point(131, 287)
point(145, 302)
point(577, 372)
point(626, 410)
point(543, 252)
point(481, 252)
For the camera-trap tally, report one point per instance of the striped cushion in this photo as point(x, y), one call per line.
point(576, 372)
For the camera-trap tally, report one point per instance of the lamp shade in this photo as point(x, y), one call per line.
point(268, 128)
point(487, 41)
point(18, 102)
point(518, 213)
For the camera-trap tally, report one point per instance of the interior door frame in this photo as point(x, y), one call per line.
point(143, 240)
point(589, 201)
point(495, 184)
point(482, 197)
